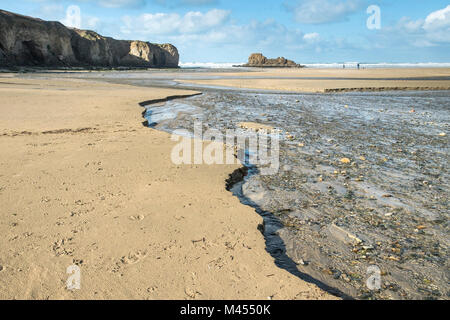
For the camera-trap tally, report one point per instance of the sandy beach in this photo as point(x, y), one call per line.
point(83, 182)
point(332, 80)
point(204, 154)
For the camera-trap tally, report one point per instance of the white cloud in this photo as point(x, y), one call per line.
point(411, 35)
point(438, 20)
point(198, 2)
point(90, 22)
point(431, 31)
point(103, 3)
point(326, 11)
point(120, 3)
point(50, 10)
point(173, 23)
point(197, 21)
point(311, 36)
point(186, 2)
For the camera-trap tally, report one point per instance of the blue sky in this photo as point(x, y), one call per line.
point(307, 31)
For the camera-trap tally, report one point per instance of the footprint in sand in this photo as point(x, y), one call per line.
point(192, 292)
point(137, 218)
point(133, 257)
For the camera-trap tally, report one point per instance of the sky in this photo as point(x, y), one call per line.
point(225, 31)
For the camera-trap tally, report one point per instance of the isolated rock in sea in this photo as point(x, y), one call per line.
point(26, 41)
point(259, 60)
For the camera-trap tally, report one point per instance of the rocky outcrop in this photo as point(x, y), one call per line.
point(26, 41)
point(258, 60)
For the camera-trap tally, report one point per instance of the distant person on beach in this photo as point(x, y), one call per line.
point(343, 66)
point(358, 66)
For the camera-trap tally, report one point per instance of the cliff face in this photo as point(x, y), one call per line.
point(258, 60)
point(26, 41)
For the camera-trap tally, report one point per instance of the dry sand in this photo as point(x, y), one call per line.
point(346, 80)
point(83, 181)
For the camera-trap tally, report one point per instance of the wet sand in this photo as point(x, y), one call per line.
point(362, 182)
point(331, 80)
point(83, 182)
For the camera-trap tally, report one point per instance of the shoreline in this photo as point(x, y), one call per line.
point(341, 178)
point(234, 183)
point(114, 205)
point(331, 80)
point(273, 80)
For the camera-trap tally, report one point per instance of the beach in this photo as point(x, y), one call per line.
point(83, 182)
point(204, 154)
point(361, 182)
point(332, 80)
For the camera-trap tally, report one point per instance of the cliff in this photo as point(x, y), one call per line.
point(258, 60)
point(26, 41)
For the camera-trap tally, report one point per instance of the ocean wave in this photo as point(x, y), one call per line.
point(336, 65)
point(211, 65)
point(380, 65)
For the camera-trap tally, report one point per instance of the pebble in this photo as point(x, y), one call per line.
point(301, 262)
point(345, 277)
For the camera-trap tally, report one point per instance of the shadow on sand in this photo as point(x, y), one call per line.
point(274, 244)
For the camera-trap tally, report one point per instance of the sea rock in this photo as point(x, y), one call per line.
point(343, 235)
point(259, 60)
point(26, 41)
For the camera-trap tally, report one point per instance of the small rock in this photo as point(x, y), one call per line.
point(345, 160)
point(302, 262)
point(290, 137)
point(337, 274)
point(345, 277)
